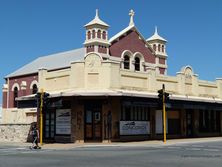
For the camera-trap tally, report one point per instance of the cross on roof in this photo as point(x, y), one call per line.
point(131, 14)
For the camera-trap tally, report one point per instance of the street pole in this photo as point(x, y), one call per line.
point(164, 116)
point(41, 116)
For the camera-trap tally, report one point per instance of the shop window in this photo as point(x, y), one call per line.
point(126, 62)
point(15, 96)
point(137, 64)
point(209, 121)
point(131, 112)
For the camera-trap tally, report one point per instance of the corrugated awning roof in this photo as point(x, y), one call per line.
point(128, 93)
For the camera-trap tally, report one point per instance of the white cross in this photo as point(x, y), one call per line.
point(131, 13)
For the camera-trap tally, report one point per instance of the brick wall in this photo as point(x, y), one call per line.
point(133, 43)
point(28, 79)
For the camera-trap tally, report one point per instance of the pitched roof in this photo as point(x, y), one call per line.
point(121, 33)
point(156, 36)
point(54, 61)
point(130, 27)
point(97, 20)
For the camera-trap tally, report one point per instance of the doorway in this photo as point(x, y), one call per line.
point(93, 121)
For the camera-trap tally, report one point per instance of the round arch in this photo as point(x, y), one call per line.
point(15, 85)
point(139, 55)
point(34, 82)
point(126, 52)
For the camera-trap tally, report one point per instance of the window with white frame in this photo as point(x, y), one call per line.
point(126, 62)
point(137, 64)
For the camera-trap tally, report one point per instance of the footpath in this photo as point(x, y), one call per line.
point(150, 143)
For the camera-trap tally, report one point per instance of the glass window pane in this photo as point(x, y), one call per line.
point(88, 116)
point(139, 113)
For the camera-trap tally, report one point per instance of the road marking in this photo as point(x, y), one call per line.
point(20, 150)
point(199, 146)
point(213, 150)
point(193, 149)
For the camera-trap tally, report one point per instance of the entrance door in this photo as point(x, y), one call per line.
point(189, 118)
point(93, 123)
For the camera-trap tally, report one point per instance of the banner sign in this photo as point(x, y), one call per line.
point(63, 121)
point(134, 127)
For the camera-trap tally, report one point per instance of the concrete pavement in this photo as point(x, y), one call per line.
point(150, 143)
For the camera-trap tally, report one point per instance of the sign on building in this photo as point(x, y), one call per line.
point(134, 127)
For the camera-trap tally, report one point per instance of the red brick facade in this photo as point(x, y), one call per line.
point(134, 44)
point(4, 99)
point(102, 49)
point(162, 61)
point(21, 92)
point(90, 49)
point(162, 70)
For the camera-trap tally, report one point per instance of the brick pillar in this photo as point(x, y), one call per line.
point(183, 122)
point(105, 109)
point(196, 123)
point(73, 121)
point(4, 95)
point(152, 123)
point(79, 136)
point(221, 123)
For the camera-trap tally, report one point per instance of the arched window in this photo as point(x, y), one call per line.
point(89, 35)
point(163, 48)
point(154, 47)
point(34, 89)
point(99, 34)
point(104, 34)
point(126, 62)
point(137, 64)
point(159, 47)
point(15, 96)
point(93, 34)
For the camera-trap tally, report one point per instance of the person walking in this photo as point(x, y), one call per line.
point(35, 137)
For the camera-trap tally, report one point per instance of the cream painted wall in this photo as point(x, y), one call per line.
point(15, 115)
point(97, 74)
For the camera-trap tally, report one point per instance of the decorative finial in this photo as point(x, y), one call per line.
point(97, 13)
point(131, 13)
point(156, 30)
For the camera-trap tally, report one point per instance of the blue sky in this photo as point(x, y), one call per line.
point(33, 28)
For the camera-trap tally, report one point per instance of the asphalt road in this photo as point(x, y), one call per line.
point(177, 155)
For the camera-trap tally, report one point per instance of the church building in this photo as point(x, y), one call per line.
point(107, 91)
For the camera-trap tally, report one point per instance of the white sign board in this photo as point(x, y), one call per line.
point(63, 121)
point(159, 122)
point(134, 127)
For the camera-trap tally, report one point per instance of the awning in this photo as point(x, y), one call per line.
point(28, 97)
point(118, 92)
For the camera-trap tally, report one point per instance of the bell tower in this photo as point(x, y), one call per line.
point(97, 36)
point(158, 44)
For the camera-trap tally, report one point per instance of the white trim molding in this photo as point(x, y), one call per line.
point(15, 85)
point(34, 82)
